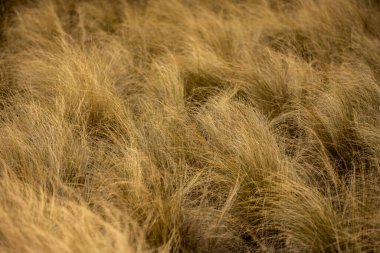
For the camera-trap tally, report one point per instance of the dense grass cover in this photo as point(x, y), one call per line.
point(190, 126)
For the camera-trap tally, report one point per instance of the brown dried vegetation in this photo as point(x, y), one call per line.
point(190, 126)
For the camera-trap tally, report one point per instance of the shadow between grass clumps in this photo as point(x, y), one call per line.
point(200, 86)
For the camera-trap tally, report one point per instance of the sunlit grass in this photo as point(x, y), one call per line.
point(190, 126)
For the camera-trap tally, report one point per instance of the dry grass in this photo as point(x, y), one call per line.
point(190, 126)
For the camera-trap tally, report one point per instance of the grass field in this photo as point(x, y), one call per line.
point(189, 126)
